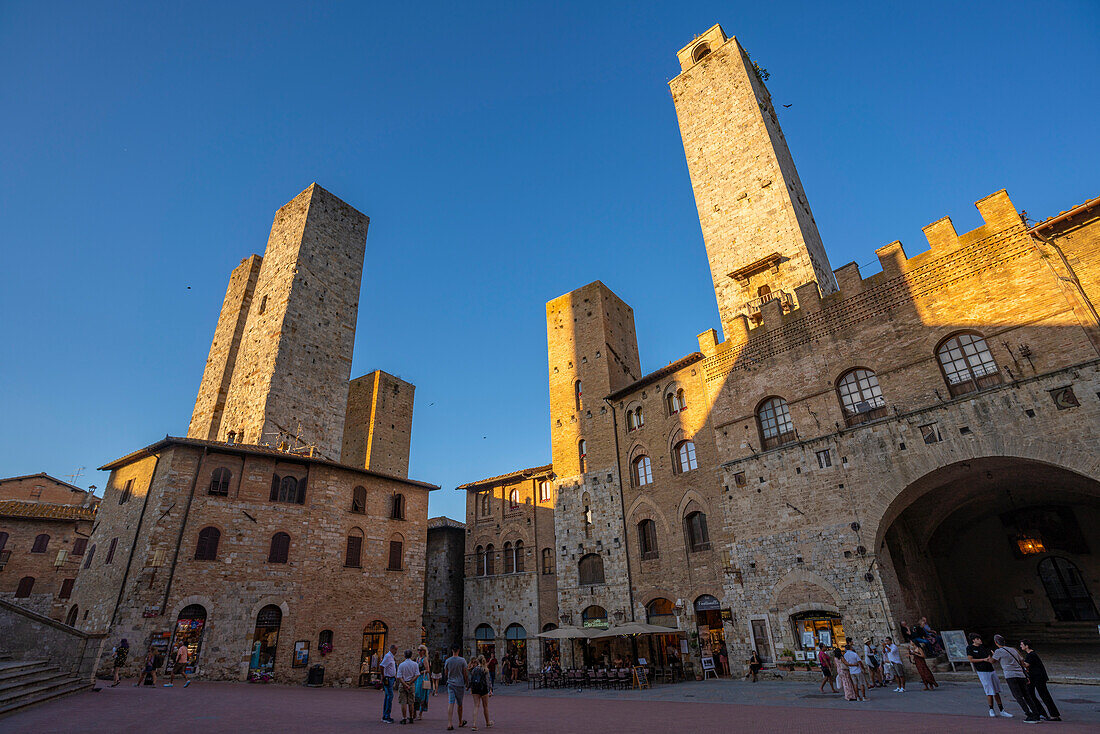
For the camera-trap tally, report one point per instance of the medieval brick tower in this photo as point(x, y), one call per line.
point(762, 241)
point(378, 426)
point(281, 357)
point(593, 351)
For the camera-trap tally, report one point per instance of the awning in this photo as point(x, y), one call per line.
point(636, 628)
point(568, 633)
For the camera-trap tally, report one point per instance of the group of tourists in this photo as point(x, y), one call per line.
point(1024, 673)
point(181, 659)
point(417, 679)
point(879, 666)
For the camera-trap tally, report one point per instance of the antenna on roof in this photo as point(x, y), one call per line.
point(75, 475)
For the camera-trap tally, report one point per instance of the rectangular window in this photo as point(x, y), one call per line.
point(111, 550)
point(126, 492)
point(354, 552)
point(824, 460)
point(79, 546)
point(395, 556)
point(66, 588)
point(544, 491)
point(931, 433)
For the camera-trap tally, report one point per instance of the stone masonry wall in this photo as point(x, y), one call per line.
point(378, 426)
point(444, 579)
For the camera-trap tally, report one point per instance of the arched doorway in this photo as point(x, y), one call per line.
point(374, 648)
point(188, 630)
point(708, 620)
point(816, 626)
point(484, 641)
point(515, 637)
point(551, 649)
point(265, 642)
point(595, 651)
point(972, 546)
point(70, 618)
point(663, 649)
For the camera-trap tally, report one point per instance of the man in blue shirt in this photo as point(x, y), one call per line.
point(389, 673)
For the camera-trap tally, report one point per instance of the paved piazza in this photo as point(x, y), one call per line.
point(712, 706)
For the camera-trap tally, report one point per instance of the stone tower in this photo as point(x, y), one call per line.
point(593, 351)
point(281, 358)
point(378, 426)
point(761, 239)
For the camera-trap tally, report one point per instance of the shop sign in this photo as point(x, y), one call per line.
point(727, 615)
point(153, 611)
point(707, 603)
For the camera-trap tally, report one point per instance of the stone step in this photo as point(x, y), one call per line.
point(32, 698)
point(14, 687)
point(17, 668)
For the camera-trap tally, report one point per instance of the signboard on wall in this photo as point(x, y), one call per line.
point(954, 643)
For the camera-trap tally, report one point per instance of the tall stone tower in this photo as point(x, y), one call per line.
point(761, 239)
point(378, 426)
point(593, 351)
point(287, 371)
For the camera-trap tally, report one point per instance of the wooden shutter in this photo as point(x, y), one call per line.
point(66, 588)
point(302, 491)
point(354, 552)
point(111, 550)
point(79, 546)
point(275, 479)
point(395, 555)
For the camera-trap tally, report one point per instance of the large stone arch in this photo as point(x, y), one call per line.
point(206, 602)
point(800, 590)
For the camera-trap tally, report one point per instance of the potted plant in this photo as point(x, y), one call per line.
point(786, 659)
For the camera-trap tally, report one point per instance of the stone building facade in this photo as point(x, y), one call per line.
point(249, 540)
point(44, 529)
point(852, 452)
point(444, 584)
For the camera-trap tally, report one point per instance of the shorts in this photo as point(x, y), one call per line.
point(179, 668)
point(858, 679)
point(454, 694)
point(898, 670)
point(825, 672)
point(990, 684)
point(436, 676)
point(405, 696)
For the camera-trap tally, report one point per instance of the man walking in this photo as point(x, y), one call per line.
point(982, 658)
point(1012, 665)
point(856, 670)
point(407, 673)
point(1037, 683)
point(179, 667)
point(458, 677)
point(893, 659)
point(389, 672)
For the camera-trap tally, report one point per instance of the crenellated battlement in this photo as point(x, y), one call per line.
point(903, 279)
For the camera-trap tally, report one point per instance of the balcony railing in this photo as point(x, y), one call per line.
point(786, 302)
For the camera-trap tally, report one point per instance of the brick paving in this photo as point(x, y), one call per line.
point(712, 706)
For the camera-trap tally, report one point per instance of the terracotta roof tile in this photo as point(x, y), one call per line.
point(656, 375)
point(501, 478)
point(45, 511)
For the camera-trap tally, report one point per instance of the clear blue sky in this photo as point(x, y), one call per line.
point(505, 154)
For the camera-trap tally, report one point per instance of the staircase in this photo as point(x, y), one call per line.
point(27, 682)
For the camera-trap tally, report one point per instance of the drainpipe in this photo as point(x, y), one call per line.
point(133, 545)
point(622, 508)
point(183, 525)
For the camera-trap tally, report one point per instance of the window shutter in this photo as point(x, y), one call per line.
point(395, 555)
point(354, 552)
point(79, 545)
point(275, 487)
point(66, 588)
point(302, 491)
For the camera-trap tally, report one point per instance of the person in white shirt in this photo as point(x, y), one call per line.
point(856, 670)
point(389, 672)
point(893, 659)
point(407, 673)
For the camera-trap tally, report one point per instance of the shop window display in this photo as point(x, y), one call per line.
point(265, 642)
point(374, 647)
point(813, 627)
point(189, 628)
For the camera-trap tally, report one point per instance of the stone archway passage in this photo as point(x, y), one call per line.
point(995, 544)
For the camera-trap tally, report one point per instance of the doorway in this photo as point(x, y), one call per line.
point(265, 641)
point(761, 641)
point(188, 631)
point(374, 647)
point(1066, 590)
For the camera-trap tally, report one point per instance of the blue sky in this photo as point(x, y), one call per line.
point(506, 153)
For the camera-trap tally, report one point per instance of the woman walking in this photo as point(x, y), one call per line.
point(916, 656)
point(121, 653)
point(437, 672)
point(481, 687)
point(420, 702)
point(845, 677)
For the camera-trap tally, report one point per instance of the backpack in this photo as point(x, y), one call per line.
point(478, 682)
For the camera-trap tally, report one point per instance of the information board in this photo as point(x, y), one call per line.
point(954, 642)
point(640, 678)
point(708, 663)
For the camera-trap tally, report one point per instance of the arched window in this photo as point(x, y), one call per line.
point(547, 561)
point(594, 616)
point(509, 558)
point(675, 401)
point(484, 633)
point(773, 418)
point(479, 561)
point(590, 569)
point(353, 554)
point(219, 483)
point(40, 543)
point(280, 548)
point(519, 556)
point(70, 618)
point(396, 562)
point(544, 491)
point(630, 425)
point(288, 489)
point(661, 611)
point(231, 438)
point(641, 471)
point(647, 537)
point(513, 498)
point(24, 589)
point(582, 454)
point(860, 396)
point(683, 457)
point(397, 510)
point(967, 364)
point(698, 538)
point(701, 52)
point(359, 500)
point(207, 547)
point(490, 561)
point(486, 503)
point(578, 392)
point(88, 558)
point(639, 416)
point(325, 638)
